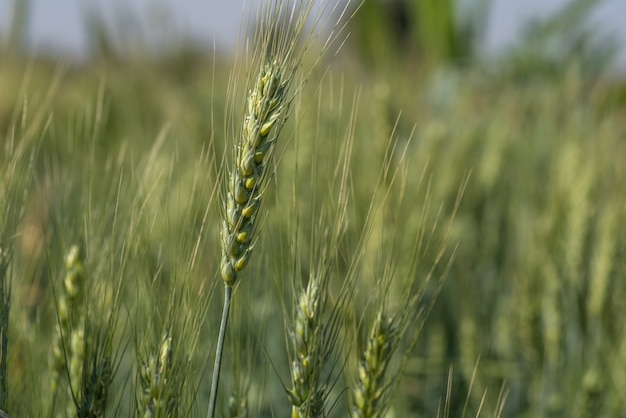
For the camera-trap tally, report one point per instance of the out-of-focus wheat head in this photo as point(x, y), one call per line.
point(159, 397)
point(69, 340)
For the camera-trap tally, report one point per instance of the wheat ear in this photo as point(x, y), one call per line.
point(371, 390)
point(266, 105)
point(306, 396)
point(158, 397)
point(266, 111)
point(69, 341)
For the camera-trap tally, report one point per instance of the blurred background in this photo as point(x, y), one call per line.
point(66, 27)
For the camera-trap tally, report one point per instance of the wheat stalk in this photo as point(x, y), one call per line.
point(267, 107)
point(266, 111)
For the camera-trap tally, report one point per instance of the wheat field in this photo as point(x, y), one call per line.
point(394, 240)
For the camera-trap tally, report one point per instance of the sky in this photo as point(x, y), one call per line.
point(58, 25)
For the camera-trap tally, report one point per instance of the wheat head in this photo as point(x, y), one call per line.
point(159, 397)
point(266, 105)
point(69, 340)
point(371, 390)
point(306, 396)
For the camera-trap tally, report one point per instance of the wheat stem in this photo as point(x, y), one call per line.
point(228, 290)
point(265, 113)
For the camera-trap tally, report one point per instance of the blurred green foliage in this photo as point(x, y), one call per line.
point(422, 34)
point(423, 31)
